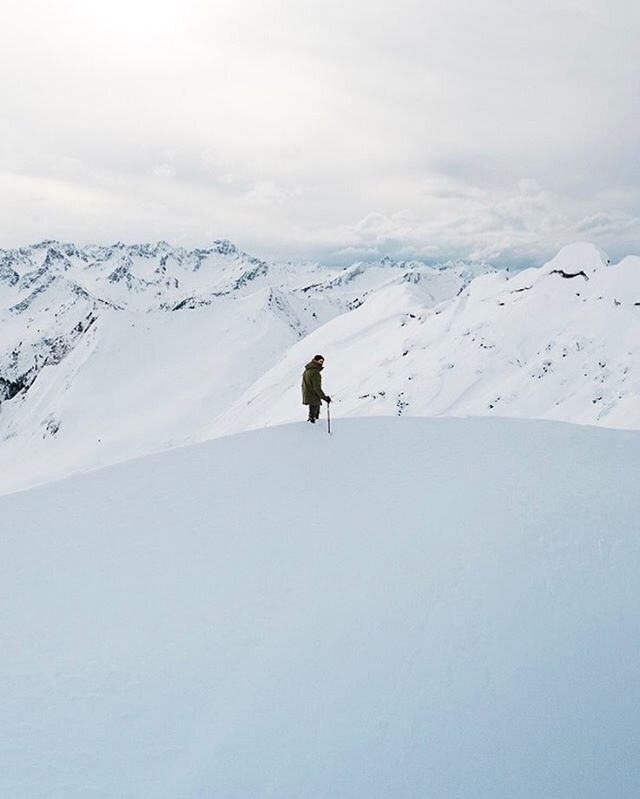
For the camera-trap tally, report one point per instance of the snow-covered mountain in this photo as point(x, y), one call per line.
point(557, 342)
point(109, 353)
point(434, 608)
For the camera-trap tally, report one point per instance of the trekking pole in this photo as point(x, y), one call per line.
point(329, 418)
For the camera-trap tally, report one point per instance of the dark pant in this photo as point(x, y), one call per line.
point(314, 412)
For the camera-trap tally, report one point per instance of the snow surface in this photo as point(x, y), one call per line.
point(408, 608)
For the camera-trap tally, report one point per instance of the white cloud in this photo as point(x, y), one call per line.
point(268, 193)
point(163, 171)
point(444, 128)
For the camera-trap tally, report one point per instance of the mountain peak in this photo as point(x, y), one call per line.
point(578, 256)
point(225, 247)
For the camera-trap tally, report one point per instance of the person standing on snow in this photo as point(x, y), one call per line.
point(312, 393)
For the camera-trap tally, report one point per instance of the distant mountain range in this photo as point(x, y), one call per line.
point(108, 353)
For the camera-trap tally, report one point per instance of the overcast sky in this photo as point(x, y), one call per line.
point(329, 130)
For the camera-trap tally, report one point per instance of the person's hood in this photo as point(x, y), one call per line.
point(314, 365)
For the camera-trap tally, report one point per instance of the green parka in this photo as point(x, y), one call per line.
point(312, 393)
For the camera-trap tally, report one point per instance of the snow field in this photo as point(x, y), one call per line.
point(409, 607)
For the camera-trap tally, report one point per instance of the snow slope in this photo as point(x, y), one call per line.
point(135, 384)
point(408, 608)
point(557, 342)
